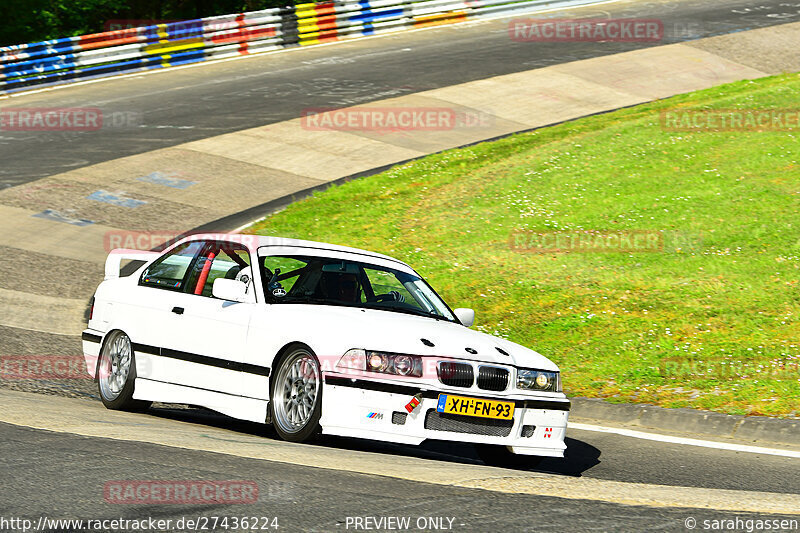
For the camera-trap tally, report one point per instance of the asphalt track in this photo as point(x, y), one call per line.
point(590, 454)
point(65, 475)
point(174, 106)
point(316, 487)
point(60, 475)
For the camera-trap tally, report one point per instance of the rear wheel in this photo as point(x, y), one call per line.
point(493, 455)
point(116, 374)
point(296, 398)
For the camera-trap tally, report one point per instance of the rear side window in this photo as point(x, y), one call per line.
point(169, 271)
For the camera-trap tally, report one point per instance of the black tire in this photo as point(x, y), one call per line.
point(295, 405)
point(493, 455)
point(117, 348)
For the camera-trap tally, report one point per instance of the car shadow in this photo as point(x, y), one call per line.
point(579, 457)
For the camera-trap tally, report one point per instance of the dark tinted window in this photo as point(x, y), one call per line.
point(332, 281)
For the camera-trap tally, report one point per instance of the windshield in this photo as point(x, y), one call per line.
point(331, 281)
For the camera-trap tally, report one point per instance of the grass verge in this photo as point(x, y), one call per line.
point(710, 319)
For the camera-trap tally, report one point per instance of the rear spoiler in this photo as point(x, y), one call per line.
point(115, 258)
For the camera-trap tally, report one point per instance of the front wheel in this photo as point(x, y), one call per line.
point(116, 374)
point(296, 398)
point(493, 455)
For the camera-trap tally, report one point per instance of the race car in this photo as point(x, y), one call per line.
point(316, 338)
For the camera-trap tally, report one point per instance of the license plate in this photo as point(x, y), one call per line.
point(460, 405)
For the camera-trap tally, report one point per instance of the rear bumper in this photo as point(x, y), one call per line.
point(365, 409)
point(92, 341)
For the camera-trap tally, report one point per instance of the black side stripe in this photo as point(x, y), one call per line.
point(552, 405)
point(90, 337)
point(202, 389)
point(145, 348)
point(202, 359)
point(380, 387)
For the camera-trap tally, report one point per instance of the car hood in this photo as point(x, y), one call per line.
point(344, 328)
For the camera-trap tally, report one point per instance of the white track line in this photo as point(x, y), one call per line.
point(245, 226)
point(686, 441)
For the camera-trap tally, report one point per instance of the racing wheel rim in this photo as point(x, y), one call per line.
point(296, 391)
point(115, 366)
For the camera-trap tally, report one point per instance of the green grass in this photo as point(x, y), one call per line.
point(635, 327)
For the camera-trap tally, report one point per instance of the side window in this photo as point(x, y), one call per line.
point(169, 271)
point(384, 282)
point(219, 260)
point(290, 267)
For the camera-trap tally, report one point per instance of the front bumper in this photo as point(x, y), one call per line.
point(376, 410)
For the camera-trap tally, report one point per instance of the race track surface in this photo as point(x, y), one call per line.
point(602, 475)
point(174, 106)
point(66, 476)
point(73, 446)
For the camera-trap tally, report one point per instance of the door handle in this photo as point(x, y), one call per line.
point(177, 310)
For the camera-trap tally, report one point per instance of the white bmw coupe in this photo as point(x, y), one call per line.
point(316, 338)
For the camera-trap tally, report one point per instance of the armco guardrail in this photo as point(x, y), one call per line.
point(179, 43)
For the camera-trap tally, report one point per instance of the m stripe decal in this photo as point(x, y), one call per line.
point(202, 359)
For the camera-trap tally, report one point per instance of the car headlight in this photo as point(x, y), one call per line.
point(538, 380)
point(384, 363)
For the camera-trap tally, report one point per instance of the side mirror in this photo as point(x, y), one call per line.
point(465, 316)
point(229, 289)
